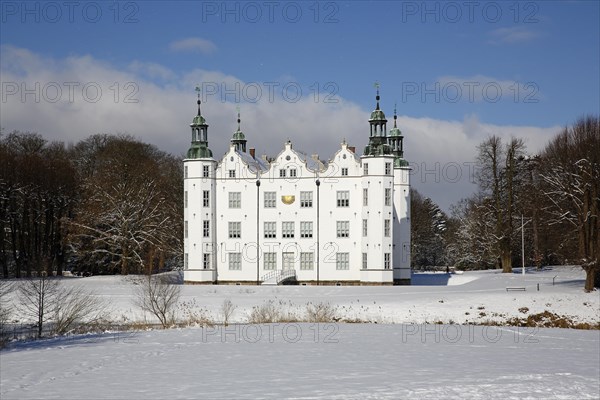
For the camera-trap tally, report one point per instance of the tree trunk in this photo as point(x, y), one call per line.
point(506, 255)
point(506, 262)
point(590, 277)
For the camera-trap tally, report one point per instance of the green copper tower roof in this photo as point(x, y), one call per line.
point(239, 139)
point(378, 144)
point(396, 142)
point(199, 147)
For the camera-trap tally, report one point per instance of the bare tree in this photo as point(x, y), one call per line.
point(130, 208)
point(37, 297)
point(572, 177)
point(6, 309)
point(227, 309)
point(76, 307)
point(158, 295)
point(499, 182)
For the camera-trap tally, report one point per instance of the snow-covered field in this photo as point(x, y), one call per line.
point(472, 297)
point(401, 358)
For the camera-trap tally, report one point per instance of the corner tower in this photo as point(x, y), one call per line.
point(377, 183)
point(401, 256)
point(199, 236)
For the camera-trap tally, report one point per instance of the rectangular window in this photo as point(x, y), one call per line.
point(343, 198)
point(235, 230)
point(365, 197)
point(206, 261)
point(287, 229)
point(185, 229)
point(232, 173)
point(343, 229)
point(344, 171)
point(388, 168)
point(270, 261)
point(306, 199)
point(185, 199)
point(185, 261)
point(365, 227)
point(306, 229)
point(235, 200)
point(205, 171)
point(235, 261)
point(288, 260)
point(342, 261)
point(206, 228)
point(388, 197)
point(364, 260)
point(293, 173)
point(386, 261)
point(206, 198)
point(386, 228)
point(270, 199)
point(270, 230)
point(282, 173)
point(185, 171)
point(366, 168)
point(307, 261)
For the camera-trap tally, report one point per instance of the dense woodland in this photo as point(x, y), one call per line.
point(556, 192)
point(113, 204)
point(108, 204)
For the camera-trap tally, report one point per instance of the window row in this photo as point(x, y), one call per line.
point(307, 261)
point(288, 229)
point(386, 260)
point(205, 198)
point(205, 261)
point(306, 199)
point(387, 171)
point(292, 172)
point(288, 260)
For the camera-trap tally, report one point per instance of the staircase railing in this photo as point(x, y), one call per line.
point(278, 276)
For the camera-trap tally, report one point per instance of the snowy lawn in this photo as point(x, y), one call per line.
point(404, 358)
point(473, 297)
point(306, 361)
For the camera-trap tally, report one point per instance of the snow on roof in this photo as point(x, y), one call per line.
point(254, 164)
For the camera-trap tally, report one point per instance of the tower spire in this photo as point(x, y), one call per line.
point(199, 147)
point(378, 131)
point(198, 90)
point(239, 139)
point(395, 116)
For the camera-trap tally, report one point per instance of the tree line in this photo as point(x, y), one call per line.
point(113, 204)
point(555, 194)
point(107, 204)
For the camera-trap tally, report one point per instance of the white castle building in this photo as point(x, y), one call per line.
point(294, 218)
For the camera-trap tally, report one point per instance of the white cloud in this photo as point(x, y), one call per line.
point(516, 34)
point(160, 114)
point(152, 70)
point(193, 44)
point(478, 88)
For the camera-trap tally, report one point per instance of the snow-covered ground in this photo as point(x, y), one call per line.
point(401, 358)
point(471, 297)
point(306, 361)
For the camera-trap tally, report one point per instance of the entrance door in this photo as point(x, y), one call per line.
point(288, 261)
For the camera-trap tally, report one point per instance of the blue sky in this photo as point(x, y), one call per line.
point(458, 72)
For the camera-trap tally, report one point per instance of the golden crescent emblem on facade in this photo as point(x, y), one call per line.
point(288, 199)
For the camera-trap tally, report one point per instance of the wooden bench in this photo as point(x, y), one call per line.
point(515, 288)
